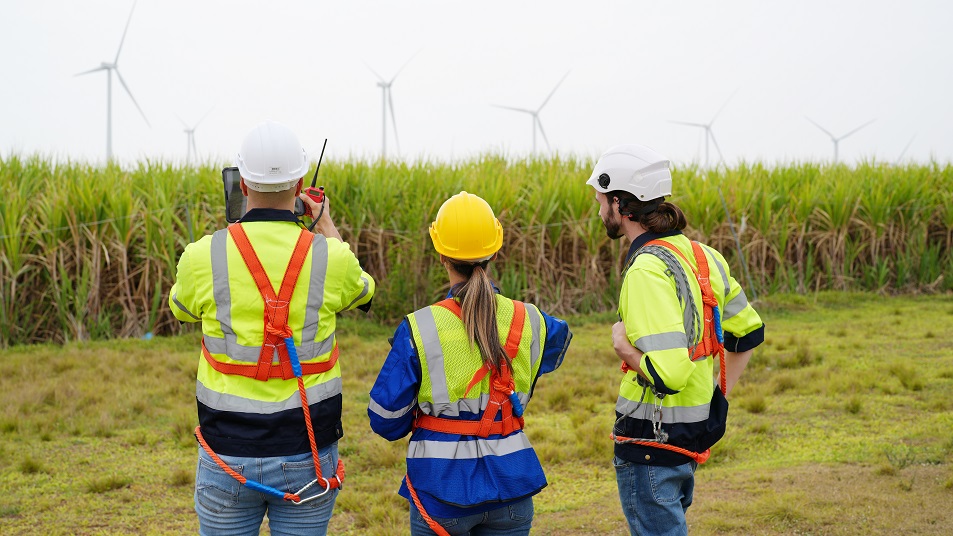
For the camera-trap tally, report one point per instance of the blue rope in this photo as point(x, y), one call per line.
point(517, 406)
point(718, 331)
point(257, 486)
point(293, 356)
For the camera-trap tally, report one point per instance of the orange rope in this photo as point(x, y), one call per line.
point(434, 526)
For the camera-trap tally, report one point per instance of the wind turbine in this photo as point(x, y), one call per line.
point(535, 113)
point(387, 103)
point(109, 68)
point(834, 139)
point(190, 136)
point(709, 134)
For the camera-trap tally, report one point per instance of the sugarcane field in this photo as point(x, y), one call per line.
point(714, 296)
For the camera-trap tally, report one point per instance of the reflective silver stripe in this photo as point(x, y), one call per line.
point(534, 321)
point(471, 405)
point(312, 312)
point(662, 341)
point(220, 289)
point(724, 274)
point(227, 402)
point(363, 293)
point(184, 309)
point(735, 306)
point(240, 352)
point(433, 353)
point(387, 414)
point(477, 448)
point(678, 414)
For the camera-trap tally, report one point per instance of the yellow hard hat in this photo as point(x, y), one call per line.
point(466, 229)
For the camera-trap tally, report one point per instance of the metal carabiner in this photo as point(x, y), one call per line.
point(313, 497)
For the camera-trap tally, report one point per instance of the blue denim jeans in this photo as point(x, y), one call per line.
point(655, 498)
point(226, 507)
point(513, 520)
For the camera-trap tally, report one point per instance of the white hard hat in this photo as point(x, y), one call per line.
point(271, 158)
point(635, 169)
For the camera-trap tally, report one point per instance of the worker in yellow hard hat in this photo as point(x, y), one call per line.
point(457, 378)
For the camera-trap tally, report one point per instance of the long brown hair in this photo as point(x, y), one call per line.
point(478, 303)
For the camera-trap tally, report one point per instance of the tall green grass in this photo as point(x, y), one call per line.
point(90, 252)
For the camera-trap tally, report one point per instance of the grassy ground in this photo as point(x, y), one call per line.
point(841, 425)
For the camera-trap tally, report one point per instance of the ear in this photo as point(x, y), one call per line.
point(244, 187)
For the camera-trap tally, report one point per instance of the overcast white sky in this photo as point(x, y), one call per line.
point(633, 66)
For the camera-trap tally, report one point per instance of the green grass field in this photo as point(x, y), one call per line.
point(841, 425)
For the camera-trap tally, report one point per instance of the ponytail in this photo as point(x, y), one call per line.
point(478, 305)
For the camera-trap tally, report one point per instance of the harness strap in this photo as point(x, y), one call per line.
point(282, 370)
point(434, 526)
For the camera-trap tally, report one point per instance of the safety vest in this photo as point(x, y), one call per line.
point(710, 344)
point(455, 381)
point(278, 341)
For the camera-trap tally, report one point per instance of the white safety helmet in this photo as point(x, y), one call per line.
point(271, 158)
point(635, 169)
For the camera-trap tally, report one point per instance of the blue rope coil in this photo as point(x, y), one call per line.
point(293, 356)
point(517, 405)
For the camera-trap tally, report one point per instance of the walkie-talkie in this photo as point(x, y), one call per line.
point(317, 194)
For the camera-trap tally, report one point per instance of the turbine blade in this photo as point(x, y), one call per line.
point(203, 118)
point(123, 82)
point(553, 91)
point(524, 110)
point(379, 77)
point(393, 119)
point(541, 131)
point(856, 129)
point(184, 124)
point(686, 123)
point(715, 142)
point(402, 67)
point(904, 151)
point(820, 127)
point(100, 68)
point(712, 122)
point(124, 33)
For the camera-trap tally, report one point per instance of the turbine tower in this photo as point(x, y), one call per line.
point(709, 133)
point(834, 139)
point(537, 124)
point(190, 136)
point(387, 103)
point(109, 68)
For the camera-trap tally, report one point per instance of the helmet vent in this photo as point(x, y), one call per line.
point(604, 181)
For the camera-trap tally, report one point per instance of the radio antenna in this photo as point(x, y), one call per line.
point(314, 179)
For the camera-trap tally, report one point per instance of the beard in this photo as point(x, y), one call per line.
point(613, 227)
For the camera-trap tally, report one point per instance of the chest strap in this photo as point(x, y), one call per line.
point(503, 398)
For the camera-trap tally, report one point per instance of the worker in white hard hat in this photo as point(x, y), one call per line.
point(268, 389)
point(680, 310)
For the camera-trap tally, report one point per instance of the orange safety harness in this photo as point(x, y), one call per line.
point(278, 338)
point(711, 344)
point(503, 399)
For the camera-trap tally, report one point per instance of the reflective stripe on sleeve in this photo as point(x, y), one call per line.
point(735, 306)
point(662, 341)
point(477, 448)
point(184, 309)
point(363, 293)
point(227, 402)
point(433, 354)
point(387, 414)
point(670, 415)
point(534, 350)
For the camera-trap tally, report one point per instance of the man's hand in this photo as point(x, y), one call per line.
point(624, 349)
point(324, 223)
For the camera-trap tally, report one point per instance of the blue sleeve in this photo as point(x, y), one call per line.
point(558, 337)
point(394, 395)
